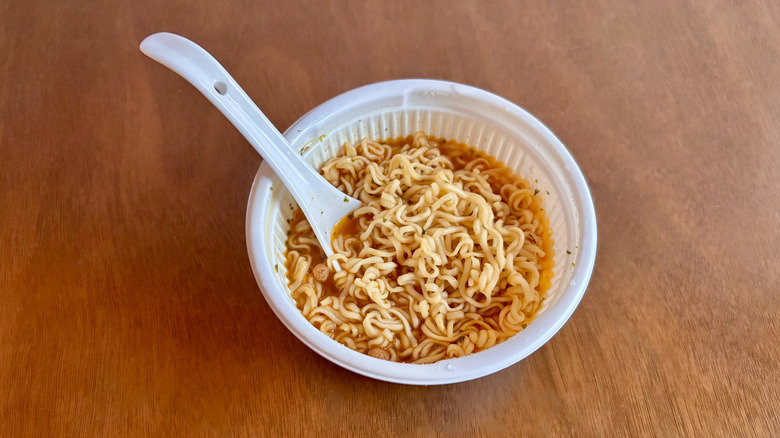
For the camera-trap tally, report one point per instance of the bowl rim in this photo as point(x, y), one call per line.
point(444, 371)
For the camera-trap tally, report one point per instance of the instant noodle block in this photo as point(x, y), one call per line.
point(464, 114)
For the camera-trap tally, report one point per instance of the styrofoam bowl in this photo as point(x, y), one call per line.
point(443, 109)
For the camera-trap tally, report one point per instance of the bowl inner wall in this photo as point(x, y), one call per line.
point(515, 145)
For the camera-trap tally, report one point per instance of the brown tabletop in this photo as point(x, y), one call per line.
point(128, 306)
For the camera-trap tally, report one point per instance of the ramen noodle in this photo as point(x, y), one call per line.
point(450, 253)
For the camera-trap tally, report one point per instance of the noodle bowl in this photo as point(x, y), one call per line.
point(450, 254)
point(489, 123)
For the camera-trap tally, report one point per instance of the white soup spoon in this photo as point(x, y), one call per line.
point(322, 204)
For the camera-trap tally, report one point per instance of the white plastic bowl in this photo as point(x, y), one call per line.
point(458, 112)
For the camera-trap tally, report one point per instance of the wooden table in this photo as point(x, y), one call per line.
point(127, 303)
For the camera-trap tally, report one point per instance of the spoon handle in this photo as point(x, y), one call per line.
point(313, 194)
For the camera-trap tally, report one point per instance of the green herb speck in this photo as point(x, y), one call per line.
point(276, 268)
point(568, 252)
point(523, 325)
point(346, 199)
point(536, 192)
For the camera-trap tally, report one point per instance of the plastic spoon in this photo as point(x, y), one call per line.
point(323, 204)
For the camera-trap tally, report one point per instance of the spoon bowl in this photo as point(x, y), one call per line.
point(322, 203)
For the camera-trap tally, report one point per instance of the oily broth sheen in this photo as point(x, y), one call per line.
point(358, 321)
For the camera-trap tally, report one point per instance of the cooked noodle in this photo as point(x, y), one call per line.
point(449, 255)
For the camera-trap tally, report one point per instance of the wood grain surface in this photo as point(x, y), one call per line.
point(127, 302)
